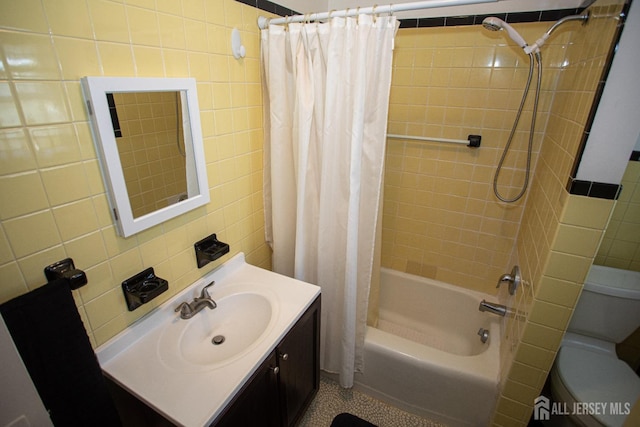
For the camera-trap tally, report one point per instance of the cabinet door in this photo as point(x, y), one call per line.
point(299, 362)
point(257, 404)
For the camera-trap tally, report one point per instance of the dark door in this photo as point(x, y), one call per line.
point(257, 405)
point(299, 362)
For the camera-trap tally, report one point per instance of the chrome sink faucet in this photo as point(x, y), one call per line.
point(188, 310)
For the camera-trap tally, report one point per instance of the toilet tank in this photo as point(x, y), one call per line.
point(609, 306)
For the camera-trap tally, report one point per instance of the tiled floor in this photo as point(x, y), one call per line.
point(332, 400)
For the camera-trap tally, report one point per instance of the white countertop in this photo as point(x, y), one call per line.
point(195, 396)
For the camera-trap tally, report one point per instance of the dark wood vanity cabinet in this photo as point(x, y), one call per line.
point(258, 403)
point(280, 390)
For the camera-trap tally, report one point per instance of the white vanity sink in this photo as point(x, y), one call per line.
point(213, 338)
point(179, 367)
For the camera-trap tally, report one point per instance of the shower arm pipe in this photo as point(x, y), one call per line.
point(264, 22)
point(535, 48)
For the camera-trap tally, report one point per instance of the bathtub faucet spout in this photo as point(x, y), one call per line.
point(494, 308)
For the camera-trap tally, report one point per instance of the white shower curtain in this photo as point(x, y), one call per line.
point(326, 93)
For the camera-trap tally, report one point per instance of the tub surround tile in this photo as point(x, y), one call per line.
point(528, 375)
point(587, 212)
point(579, 241)
point(514, 410)
point(551, 315)
point(536, 357)
point(505, 421)
point(558, 291)
point(520, 392)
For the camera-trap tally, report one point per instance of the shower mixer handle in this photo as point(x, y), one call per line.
point(514, 279)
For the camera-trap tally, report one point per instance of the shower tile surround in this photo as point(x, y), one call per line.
point(560, 233)
point(441, 218)
point(53, 202)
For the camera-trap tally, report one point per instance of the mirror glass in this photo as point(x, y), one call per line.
point(149, 143)
point(150, 138)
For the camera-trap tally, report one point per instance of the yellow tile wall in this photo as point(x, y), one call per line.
point(621, 244)
point(560, 233)
point(441, 218)
point(52, 199)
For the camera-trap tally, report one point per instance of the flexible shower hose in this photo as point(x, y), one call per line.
point(513, 131)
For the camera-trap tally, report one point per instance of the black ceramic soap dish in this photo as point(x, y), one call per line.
point(142, 288)
point(209, 249)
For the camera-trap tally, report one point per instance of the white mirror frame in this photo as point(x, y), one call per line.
point(95, 90)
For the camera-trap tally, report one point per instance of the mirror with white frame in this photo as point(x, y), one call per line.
point(149, 143)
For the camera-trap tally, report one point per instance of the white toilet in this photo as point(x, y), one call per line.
point(587, 369)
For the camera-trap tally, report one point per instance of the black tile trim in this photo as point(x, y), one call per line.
point(113, 112)
point(598, 190)
point(449, 21)
point(269, 6)
point(635, 156)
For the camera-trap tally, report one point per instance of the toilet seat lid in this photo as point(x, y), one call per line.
point(595, 377)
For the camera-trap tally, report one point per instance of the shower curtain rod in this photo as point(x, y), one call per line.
point(264, 22)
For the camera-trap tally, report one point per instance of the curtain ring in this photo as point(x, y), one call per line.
point(286, 22)
point(373, 13)
point(390, 9)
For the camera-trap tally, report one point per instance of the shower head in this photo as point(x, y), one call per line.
point(495, 24)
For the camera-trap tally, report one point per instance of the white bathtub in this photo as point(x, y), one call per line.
point(426, 357)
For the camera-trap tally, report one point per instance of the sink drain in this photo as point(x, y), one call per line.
point(217, 340)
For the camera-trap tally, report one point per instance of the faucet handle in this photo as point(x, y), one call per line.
point(185, 309)
point(504, 278)
point(204, 293)
point(514, 279)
